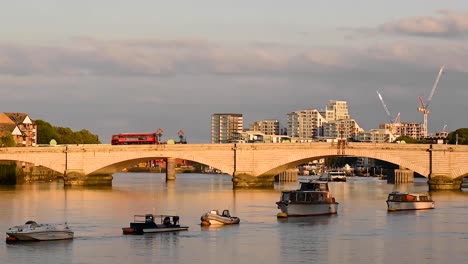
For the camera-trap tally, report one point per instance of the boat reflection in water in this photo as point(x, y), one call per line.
point(313, 198)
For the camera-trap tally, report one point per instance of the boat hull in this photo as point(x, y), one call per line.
point(303, 209)
point(400, 206)
point(165, 229)
point(41, 236)
point(130, 230)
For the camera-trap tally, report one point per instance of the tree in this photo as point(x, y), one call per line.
point(6, 140)
point(461, 133)
point(45, 132)
point(63, 135)
point(410, 140)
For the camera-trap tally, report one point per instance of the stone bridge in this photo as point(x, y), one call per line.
point(251, 165)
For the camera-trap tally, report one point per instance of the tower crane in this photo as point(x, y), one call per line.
point(392, 121)
point(424, 107)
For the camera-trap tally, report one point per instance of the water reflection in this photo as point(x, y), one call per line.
point(362, 231)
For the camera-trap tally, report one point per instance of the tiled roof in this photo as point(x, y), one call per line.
point(4, 119)
point(17, 118)
point(7, 127)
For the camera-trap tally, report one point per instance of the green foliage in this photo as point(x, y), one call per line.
point(45, 132)
point(7, 140)
point(63, 135)
point(462, 136)
point(8, 173)
point(410, 140)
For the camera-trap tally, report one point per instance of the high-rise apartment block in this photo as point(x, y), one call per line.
point(267, 127)
point(305, 124)
point(309, 124)
point(336, 110)
point(226, 127)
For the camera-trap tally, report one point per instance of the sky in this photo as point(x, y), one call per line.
point(119, 66)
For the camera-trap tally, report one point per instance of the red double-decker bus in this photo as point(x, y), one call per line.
point(135, 138)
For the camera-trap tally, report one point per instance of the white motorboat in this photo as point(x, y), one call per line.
point(214, 218)
point(313, 198)
point(398, 201)
point(32, 231)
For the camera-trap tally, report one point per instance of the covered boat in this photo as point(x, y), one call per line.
point(397, 201)
point(32, 231)
point(147, 224)
point(214, 218)
point(313, 198)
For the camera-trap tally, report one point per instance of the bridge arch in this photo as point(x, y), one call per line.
point(279, 166)
point(31, 160)
point(116, 165)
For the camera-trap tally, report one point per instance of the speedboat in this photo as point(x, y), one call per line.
point(313, 198)
point(146, 224)
point(214, 218)
point(397, 201)
point(32, 231)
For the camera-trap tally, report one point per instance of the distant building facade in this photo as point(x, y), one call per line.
point(267, 127)
point(336, 110)
point(305, 124)
point(375, 136)
point(20, 126)
point(226, 127)
point(343, 128)
point(413, 130)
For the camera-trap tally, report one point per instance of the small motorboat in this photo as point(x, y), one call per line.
point(146, 224)
point(398, 201)
point(32, 231)
point(214, 218)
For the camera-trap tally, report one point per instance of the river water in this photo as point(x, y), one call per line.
point(362, 231)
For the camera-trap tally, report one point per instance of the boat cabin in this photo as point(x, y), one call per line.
point(150, 219)
point(306, 197)
point(408, 197)
point(314, 186)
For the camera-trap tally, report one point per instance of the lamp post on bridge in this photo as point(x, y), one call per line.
point(430, 165)
point(159, 133)
point(235, 160)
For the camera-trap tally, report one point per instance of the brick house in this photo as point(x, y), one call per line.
point(21, 127)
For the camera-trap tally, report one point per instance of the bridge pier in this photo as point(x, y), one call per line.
point(242, 180)
point(444, 183)
point(170, 169)
point(78, 178)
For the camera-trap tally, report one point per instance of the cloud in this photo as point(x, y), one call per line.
point(154, 57)
point(445, 25)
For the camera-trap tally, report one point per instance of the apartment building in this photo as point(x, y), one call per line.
point(226, 127)
point(336, 110)
point(375, 136)
point(305, 124)
point(267, 127)
point(413, 130)
point(344, 128)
